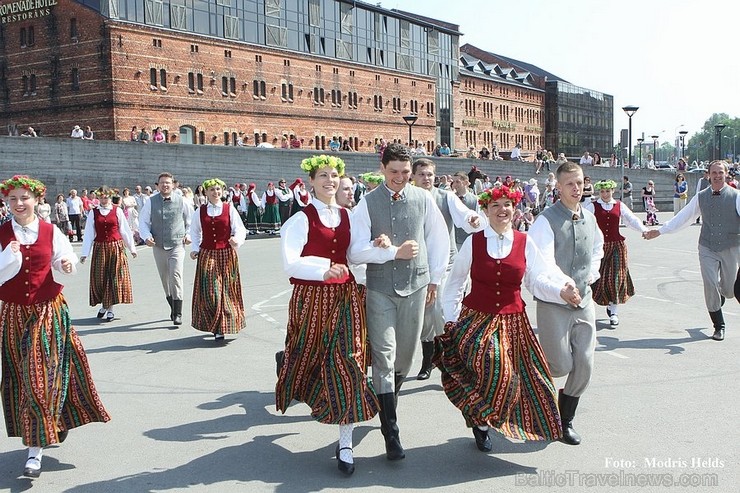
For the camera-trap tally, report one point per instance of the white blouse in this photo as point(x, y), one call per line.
point(123, 228)
point(542, 279)
point(627, 216)
point(238, 231)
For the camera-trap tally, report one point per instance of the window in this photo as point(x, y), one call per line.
point(351, 73)
point(287, 92)
point(231, 27)
point(290, 92)
point(224, 86)
point(153, 79)
point(153, 12)
point(193, 48)
point(263, 92)
point(314, 12)
point(23, 37)
point(157, 43)
point(259, 89)
point(226, 138)
point(433, 42)
point(191, 83)
point(163, 79)
point(346, 18)
point(200, 83)
point(276, 36)
point(178, 17)
point(258, 58)
point(73, 28)
point(201, 137)
point(404, 62)
point(272, 8)
point(75, 79)
point(31, 38)
point(318, 68)
point(286, 63)
point(405, 34)
point(225, 3)
point(33, 84)
point(336, 98)
point(25, 85)
point(232, 87)
point(227, 53)
point(318, 95)
point(344, 49)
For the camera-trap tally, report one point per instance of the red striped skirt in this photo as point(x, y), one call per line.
point(46, 386)
point(326, 355)
point(110, 280)
point(615, 284)
point(495, 372)
point(217, 292)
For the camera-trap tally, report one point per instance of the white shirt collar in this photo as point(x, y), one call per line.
point(32, 227)
point(488, 232)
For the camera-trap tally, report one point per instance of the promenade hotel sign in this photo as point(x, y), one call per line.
point(25, 9)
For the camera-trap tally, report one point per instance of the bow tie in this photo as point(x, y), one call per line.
point(576, 217)
point(716, 192)
point(396, 196)
point(167, 199)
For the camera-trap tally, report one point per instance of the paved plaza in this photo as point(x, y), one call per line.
point(191, 414)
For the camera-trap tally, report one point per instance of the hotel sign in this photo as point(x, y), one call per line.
point(25, 10)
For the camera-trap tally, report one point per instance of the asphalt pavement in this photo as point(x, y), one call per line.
point(192, 414)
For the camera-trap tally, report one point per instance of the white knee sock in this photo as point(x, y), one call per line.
point(483, 428)
point(35, 452)
point(345, 440)
point(613, 308)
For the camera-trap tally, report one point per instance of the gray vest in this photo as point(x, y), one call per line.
point(720, 227)
point(440, 197)
point(574, 241)
point(470, 201)
point(400, 220)
point(167, 223)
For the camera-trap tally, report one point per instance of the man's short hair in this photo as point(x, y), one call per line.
point(423, 162)
point(395, 152)
point(567, 167)
point(165, 175)
point(721, 163)
point(463, 176)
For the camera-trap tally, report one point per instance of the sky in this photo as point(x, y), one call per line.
point(674, 59)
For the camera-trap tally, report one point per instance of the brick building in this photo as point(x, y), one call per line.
point(206, 72)
point(498, 105)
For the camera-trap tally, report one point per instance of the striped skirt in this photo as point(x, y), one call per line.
point(615, 284)
point(217, 293)
point(253, 216)
point(46, 386)
point(271, 218)
point(110, 280)
point(326, 355)
point(494, 371)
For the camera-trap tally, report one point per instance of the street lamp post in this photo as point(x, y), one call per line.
point(733, 145)
point(683, 137)
point(630, 111)
point(718, 138)
point(639, 151)
point(410, 120)
point(655, 149)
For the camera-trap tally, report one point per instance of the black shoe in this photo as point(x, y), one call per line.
point(389, 427)
point(427, 349)
point(101, 313)
point(346, 467)
point(31, 471)
point(177, 312)
point(279, 361)
point(567, 405)
point(172, 310)
point(62, 435)
point(482, 440)
point(719, 335)
point(718, 320)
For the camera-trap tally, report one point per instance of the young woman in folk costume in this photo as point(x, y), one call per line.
point(325, 357)
point(493, 368)
point(217, 232)
point(47, 388)
point(301, 196)
point(614, 287)
point(107, 232)
point(270, 210)
point(250, 202)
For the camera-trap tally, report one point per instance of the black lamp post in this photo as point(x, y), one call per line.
point(639, 151)
point(718, 138)
point(655, 149)
point(410, 120)
point(683, 137)
point(630, 110)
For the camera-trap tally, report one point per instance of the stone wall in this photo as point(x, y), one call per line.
point(69, 163)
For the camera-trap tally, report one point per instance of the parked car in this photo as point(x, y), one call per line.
point(665, 166)
point(696, 170)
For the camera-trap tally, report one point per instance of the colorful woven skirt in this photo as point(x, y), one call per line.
point(270, 218)
point(47, 387)
point(253, 216)
point(218, 307)
point(494, 371)
point(615, 283)
point(110, 280)
point(326, 355)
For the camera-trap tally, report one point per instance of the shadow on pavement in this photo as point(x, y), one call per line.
point(11, 479)
point(672, 346)
point(193, 342)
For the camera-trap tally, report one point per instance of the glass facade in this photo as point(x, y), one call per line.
point(578, 120)
point(345, 30)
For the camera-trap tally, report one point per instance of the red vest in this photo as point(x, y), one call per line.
point(106, 227)
point(216, 230)
point(34, 283)
point(271, 199)
point(496, 283)
point(303, 196)
point(251, 200)
point(331, 243)
point(608, 222)
point(236, 198)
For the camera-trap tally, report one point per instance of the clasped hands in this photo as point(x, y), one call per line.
point(570, 294)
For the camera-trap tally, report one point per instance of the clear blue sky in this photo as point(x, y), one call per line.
point(675, 59)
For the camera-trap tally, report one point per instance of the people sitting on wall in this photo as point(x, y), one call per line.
point(77, 132)
point(295, 142)
point(516, 152)
point(87, 134)
point(484, 153)
point(444, 151)
point(30, 132)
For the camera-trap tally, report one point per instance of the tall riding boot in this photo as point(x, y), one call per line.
point(567, 405)
point(397, 382)
point(172, 310)
point(177, 312)
point(389, 427)
point(718, 320)
point(427, 351)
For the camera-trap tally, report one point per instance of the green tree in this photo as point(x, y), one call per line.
point(702, 146)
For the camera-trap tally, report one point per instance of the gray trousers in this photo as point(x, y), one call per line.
point(170, 265)
point(393, 327)
point(433, 323)
point(568, 338)
point(718, 273)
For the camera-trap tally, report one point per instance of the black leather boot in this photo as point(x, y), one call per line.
point(389, 427)
point(718, 320)
point(567, 405)
point(177, 312)
point(172, 310)
point(427, 351)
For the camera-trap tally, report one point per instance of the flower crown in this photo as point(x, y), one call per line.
point(23, 181)
point(313, 163)
point(605, 185)
point(374, 178)
point(493, 194)
point(214, 182)
point(107, 191)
